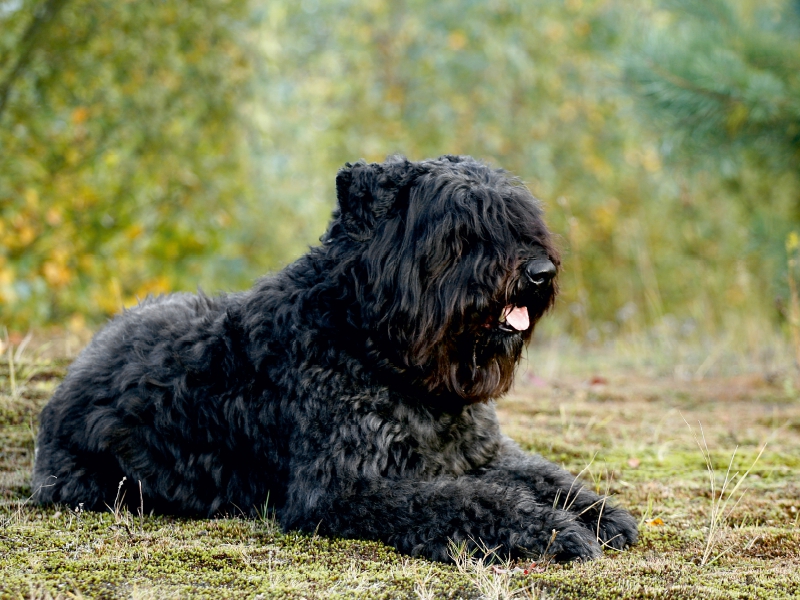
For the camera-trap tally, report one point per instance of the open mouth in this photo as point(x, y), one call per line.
point(532, 289)
point(514, 319)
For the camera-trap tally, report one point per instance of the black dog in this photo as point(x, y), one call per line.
point(353, 389)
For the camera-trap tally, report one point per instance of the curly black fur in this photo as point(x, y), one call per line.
point(352, 389)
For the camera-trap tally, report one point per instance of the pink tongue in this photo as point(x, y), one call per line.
point(517, 317)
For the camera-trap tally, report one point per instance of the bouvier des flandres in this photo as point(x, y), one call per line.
point(353, 390)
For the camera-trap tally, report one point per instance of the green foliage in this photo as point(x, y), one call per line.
point(535, 88)
point(721, 80)
point(159, 146)
point(121, 154)
point(725, 71)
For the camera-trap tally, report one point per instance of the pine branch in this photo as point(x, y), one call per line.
point(685, 84)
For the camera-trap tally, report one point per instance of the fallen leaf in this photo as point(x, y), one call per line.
point(500, 570)
point(657, 522)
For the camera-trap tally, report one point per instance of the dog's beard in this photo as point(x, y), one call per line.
point(476, 366)
point(477, 362)
point(486, 370)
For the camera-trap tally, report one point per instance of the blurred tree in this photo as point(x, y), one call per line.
point(533, 87)
point(34, 33)
point(152, 146)
point(120, 150)
point(721, 79)
point(724, 73)
point(527, 86)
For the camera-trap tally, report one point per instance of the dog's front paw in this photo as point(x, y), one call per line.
point(618, 528)
point(570, 542)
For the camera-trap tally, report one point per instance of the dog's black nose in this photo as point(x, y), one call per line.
point(540, 272)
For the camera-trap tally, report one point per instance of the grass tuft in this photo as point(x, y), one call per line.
point(723, 499)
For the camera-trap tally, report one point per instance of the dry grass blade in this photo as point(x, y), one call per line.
point(122, 517)
point(492, 582)
point(792, 245)
point(721, 507)
point(567, 502)
point(12, 372)
point(423, 588)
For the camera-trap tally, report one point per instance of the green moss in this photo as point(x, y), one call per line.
point(634, 444)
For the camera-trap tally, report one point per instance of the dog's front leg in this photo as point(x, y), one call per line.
point(426, 517)
point(613, 526)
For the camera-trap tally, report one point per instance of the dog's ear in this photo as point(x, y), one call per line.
point(368, 193)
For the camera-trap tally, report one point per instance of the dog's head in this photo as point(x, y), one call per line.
point(452, 266)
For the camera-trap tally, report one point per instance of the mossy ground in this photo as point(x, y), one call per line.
point(630, 435)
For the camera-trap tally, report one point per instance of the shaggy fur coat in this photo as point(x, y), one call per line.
point(353, 390)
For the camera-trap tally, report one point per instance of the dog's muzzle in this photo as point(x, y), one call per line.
point(533, 289)
point(540, 272)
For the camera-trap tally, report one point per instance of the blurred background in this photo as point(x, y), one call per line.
point(155, 146)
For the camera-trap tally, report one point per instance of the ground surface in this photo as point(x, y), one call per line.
point(629, 435)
